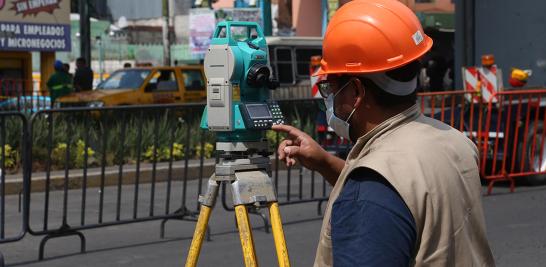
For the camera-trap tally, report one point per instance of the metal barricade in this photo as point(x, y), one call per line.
point(295, 185)
point(513, 145)
point(95, 167)
point(137, 157)
point(292, 187)
point(14, 176)
point(461, 110)
point(22, 95)
point(508, 130)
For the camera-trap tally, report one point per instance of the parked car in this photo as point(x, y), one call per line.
point(26, 104)
point(144, 85)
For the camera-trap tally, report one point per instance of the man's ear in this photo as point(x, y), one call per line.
point(360, 93)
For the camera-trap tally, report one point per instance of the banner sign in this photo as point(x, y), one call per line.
point(202, 25)
point(35, 25)
point(203, 22)
point(27, 7)
point(34, 37)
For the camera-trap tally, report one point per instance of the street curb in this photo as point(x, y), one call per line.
point(14, 183)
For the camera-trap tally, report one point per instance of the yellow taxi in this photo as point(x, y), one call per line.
point(144, 85)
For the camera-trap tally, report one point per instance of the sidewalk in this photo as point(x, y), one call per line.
point(14, 182)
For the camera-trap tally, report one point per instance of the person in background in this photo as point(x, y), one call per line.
point(60, 82)
point(83, 79)
point(66, 68)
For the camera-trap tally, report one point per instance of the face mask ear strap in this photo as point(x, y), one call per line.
point(345, 85)
point(350, 115)
point(354, 109)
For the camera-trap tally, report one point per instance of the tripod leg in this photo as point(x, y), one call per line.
point(198, 236)
point(278, 235)
point(208, 201)
point(245, 234)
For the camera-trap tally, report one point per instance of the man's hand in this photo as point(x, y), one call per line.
point(300, 147)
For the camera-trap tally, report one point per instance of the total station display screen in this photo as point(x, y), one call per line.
point(258, 111)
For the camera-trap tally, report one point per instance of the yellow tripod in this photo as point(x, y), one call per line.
point(251, 185)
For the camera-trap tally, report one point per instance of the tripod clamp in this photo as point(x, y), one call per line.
point(249, 178)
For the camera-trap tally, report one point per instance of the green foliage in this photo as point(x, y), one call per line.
point(58, 155)
point(76, 157)
point(79, 161)
point(11, 159)
point(126, 136)
point(178, 151)
point(164, 153)
point(208, 150)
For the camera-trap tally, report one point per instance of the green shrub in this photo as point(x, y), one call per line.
point(208, 150)
point(164, 153)
point(178, 151)
point(11, 160)
point(79, 161)
point(77, 155)
point(58, 155)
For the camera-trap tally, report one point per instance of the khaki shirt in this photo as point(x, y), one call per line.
point(434, 168)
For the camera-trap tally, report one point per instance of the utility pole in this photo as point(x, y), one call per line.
point(85, 31)
point(465, 37)
point(266, 16)
point(240, 4)
point(166, 40)
point(325, 12)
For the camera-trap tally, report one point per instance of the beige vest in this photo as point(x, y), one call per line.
point(434, 168)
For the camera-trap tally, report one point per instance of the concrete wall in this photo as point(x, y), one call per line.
point(307, 17)
point(512, 31)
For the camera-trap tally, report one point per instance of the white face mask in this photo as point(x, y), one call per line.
point(341, 127)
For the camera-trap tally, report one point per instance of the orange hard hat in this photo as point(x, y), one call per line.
point(366, 36)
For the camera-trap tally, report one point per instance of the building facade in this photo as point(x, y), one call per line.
point(31, 26)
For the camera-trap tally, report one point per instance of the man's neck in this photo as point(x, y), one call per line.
point(378, 117)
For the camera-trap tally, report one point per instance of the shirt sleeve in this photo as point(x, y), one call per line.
point(371, 224)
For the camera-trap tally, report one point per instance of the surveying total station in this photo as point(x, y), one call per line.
point(239, 111)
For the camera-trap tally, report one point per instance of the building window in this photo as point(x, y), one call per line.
point(162, 81)
point(303, 57)
point(283, 65)
point(193, 80)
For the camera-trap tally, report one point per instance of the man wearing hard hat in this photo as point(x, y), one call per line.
point(409, 191)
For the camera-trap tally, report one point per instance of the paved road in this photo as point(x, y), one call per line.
point(516, 229)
